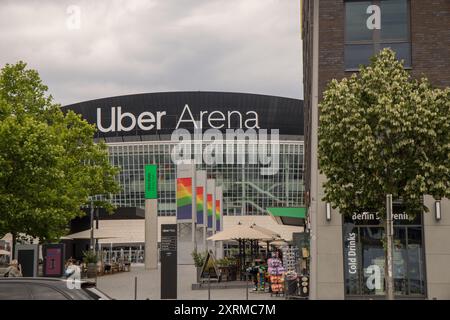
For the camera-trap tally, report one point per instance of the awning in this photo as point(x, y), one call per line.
point(292, 216)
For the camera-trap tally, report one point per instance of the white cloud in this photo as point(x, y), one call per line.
point(126, 47)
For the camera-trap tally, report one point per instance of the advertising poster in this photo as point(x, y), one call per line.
point(53, 260)
point(184, 198)
point(211, 203)
point(200, 205)
point(218, 216)
point(210, 210)
point(218, 213)
point(186, 193)
point(201, 197)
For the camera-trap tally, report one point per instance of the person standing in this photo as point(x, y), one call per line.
point(14, 270)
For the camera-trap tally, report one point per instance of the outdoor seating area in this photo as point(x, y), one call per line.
point(263, 261)
point(114, 267)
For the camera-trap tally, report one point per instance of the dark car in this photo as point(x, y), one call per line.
point(48, 289)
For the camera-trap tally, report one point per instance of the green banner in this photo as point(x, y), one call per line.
point(151, 181)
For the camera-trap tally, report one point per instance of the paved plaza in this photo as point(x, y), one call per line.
point(121, 286)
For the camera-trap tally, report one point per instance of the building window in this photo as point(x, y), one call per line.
point(246, 191)
point(371, 26)
point(364, 259)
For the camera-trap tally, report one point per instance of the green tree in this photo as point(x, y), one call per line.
point(383, 132)
point(49, 164)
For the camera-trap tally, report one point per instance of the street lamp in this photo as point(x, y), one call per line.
point(328, 211)
point(437, 209)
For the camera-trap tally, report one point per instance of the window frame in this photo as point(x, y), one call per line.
point(360, 294)
point(377, 42)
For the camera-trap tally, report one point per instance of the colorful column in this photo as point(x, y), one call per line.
point(151, 216)
point(201, 207)
point(185, 191)
point(211, 203)
point(186, 212)
point(219, 210)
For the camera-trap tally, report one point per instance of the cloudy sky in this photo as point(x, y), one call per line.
point(131, 46)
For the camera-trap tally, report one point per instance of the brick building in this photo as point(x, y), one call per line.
point(346, 254)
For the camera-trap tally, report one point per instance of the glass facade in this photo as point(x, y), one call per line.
point(373, 25)
point(364, 256)
point(245, 190)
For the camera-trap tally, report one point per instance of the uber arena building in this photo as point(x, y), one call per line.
point(138, 131)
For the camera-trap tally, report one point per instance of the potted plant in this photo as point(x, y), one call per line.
point(227, 266)
point(199, 261)
point(90, 259)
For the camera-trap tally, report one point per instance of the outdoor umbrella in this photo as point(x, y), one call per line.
point(278, 243)
point(274, 243)
point(86, 234)
point(270, 233)
point(240, 232)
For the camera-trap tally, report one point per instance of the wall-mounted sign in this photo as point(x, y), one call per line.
point(151, 181)
point(146, 121)
point(163, 112)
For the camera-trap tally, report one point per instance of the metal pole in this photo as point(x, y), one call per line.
point(243, 260)
point(246, 287)
point(135, 288)
point(209, 286)
point(205, 246)
point(193, 231)
point(389, 253)
point(92, 226)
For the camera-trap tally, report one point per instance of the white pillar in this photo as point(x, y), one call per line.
point(151, 234)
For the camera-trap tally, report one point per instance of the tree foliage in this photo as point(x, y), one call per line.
point(383, 132)
point(49, 163)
